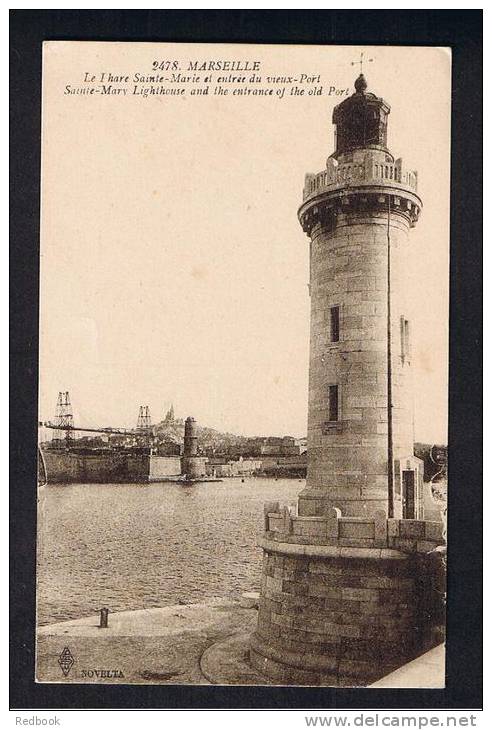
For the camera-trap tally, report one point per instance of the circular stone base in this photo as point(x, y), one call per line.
point(230, 662)
point(227, 662)
point(289, 676)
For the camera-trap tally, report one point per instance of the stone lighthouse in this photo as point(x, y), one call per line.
point(357, 213)
point(345, 578)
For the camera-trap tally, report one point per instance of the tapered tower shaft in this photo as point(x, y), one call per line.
point(357, 213)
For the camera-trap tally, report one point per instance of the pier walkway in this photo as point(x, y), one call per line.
point(201, 643)
point(158, 645)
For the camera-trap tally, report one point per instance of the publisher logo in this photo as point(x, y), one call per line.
point(66, 661)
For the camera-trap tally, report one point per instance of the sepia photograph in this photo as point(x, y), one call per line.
point(243, 365)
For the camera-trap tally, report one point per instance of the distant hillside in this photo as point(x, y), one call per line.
point(210, 440)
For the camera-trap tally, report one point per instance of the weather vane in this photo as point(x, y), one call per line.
point(361, 61)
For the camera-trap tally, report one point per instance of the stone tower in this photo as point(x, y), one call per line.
point(347, 576)
point(190, 437)
point(192, 465)
point(357, 213)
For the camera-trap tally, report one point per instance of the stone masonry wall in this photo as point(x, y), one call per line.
point(348, 459)
point(193, 467)
point(343, 601)
point(164, 466)
point(65, 467)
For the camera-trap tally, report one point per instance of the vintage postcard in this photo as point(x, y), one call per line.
point(243, 364)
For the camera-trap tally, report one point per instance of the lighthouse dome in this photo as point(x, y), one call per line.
point(360, 121)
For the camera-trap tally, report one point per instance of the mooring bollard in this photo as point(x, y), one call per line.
point(103, 620)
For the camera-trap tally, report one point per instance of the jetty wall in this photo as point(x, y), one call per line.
point(346, 600)
point(164, 466)
point(65, 467)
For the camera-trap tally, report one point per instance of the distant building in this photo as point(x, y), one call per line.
point(267, 445)
point(169, 417)
point(221, 467)
point(302, 444)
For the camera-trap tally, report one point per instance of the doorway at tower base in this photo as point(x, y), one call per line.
point(408, 490)
point(346, 600)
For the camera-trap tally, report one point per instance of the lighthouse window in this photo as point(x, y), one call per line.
point(333, 402)
point(405, 339)
point(335, 324)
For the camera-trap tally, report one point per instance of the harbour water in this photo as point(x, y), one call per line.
point(133, 546)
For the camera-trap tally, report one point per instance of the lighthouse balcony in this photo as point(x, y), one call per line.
point(371, 193)
point(350, 174)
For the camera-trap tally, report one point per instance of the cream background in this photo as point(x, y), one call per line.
point(173, 267)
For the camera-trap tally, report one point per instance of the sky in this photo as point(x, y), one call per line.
point(173, 266)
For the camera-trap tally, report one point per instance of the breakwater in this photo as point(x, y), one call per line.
point(105, 467)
